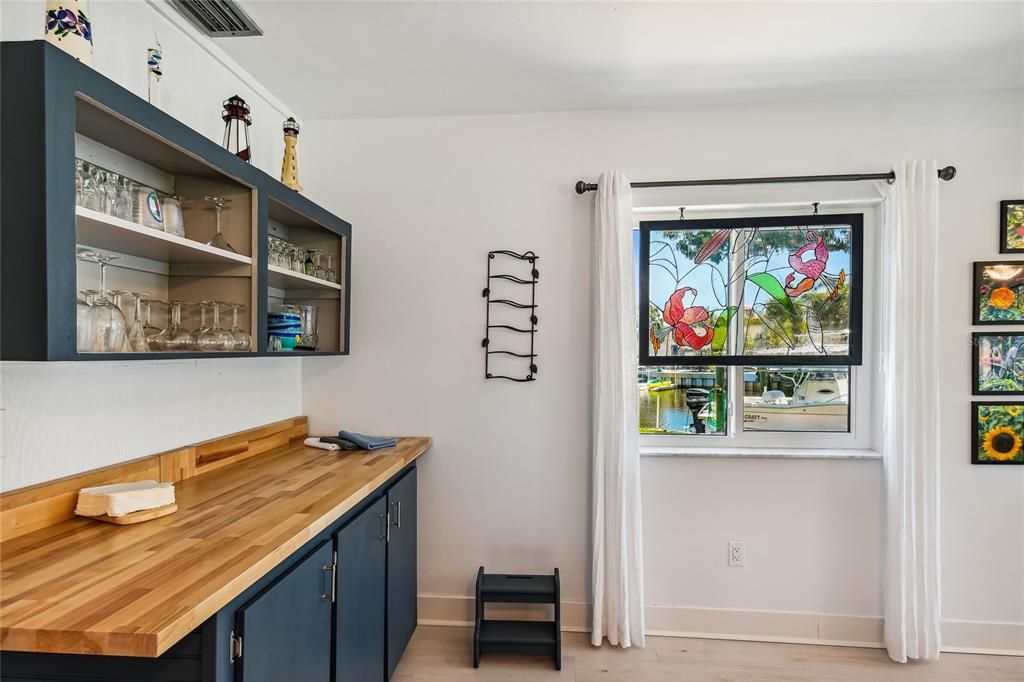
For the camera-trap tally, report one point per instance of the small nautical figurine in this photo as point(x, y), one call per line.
point(290, 164)
point(236, 127)
point(154, 70)
point(69, 28)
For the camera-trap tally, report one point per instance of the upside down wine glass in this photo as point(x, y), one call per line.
point(243, 341)
point(175, 337)
point(109, 327)
point(137, 340)
point(215, 339)
point(219, 240)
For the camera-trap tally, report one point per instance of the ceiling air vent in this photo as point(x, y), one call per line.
point(218, 18)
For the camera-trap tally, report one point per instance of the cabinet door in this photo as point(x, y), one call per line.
point(362, 555)
point(401, 568)
point(286, 629)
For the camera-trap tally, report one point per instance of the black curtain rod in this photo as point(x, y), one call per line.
point(947, 173)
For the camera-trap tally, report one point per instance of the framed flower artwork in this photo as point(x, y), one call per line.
point(998, 364)
point(997, 433)
point(1011, 226)
point(999, 292)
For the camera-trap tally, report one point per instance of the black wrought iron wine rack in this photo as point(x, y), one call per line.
point(530, 308)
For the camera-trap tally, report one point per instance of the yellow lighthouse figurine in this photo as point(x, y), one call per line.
point(290, 164)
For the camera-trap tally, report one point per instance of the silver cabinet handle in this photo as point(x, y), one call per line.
point(398, 513)
point(331, 568)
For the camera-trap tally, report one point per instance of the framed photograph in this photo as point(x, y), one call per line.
point(999, 292)
point(998, 364)
point(997, 433)
point(1011, 226)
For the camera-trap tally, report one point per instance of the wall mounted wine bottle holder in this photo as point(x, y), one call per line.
point(529, 311)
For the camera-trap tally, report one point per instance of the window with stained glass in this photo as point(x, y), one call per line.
point(780, 291)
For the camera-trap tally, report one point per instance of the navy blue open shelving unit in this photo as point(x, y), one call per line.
point(49, 102)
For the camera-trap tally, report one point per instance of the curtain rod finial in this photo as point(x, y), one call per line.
point(584, 187)
point(947, 173)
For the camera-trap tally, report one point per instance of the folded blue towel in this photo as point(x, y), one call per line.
point(368, 442)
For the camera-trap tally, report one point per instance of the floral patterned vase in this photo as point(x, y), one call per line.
point(69, 27)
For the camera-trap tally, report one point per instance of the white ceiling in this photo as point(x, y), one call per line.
point(383, 59)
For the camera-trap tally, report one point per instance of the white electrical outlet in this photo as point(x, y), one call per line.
point(737, 552)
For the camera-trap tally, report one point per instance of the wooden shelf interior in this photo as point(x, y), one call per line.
point(163, 265)
point(287, 287)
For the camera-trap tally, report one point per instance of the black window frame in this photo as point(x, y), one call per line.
point(854, 354)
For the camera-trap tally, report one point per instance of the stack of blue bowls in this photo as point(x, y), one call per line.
point(287, 326)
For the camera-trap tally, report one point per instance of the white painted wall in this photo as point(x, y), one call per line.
point(507, 482)
point(61, 418)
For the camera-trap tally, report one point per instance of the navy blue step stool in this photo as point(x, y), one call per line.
point(531, 637)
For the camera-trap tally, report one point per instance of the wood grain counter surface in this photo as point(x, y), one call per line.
point(82, 586)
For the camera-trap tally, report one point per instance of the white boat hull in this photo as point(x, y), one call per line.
point(795, 417)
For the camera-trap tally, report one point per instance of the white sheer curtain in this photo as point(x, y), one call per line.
point(618, 537)
point(909, 375)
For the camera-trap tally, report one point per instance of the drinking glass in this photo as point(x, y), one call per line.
point(79, 181)
point(176, 338)
point(174, 222)
point(243, 341)
point(298, 257)
point(216, 339)
point(274, 345)
point(108, 189)
point(91, 195)
point(137, 340)
point(109, 325)
point(308, 339)
point(319, 259)
point(123, 207)
point(332, 274)
point(219, 240)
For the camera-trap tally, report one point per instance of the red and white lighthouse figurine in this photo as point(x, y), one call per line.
point(236, 128)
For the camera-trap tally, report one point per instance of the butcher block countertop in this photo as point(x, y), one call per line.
point(81, 586)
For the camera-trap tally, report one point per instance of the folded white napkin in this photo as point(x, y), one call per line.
point(119, 499)
point(317, 443)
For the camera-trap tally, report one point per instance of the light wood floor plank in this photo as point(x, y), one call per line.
point(443, 654)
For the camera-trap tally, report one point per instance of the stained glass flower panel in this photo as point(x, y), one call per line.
point(784, 290)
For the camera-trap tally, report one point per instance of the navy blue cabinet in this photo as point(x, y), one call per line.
point(401, 573)
point(284, 633)
point(362, 556)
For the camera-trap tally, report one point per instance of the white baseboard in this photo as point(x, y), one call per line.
point(753, 626)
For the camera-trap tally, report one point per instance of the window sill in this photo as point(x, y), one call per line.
point(763, 453)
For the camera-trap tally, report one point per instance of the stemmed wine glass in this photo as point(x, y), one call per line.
point(151, 331)
point(219, 240)
point(216, 339)
point(109, 325)
point(243, 341)
point(137, 340)
point(203, 326)
point(85, 326)
point(175, 337)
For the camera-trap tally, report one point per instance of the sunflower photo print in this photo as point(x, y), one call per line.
point(999, 293)
point(998, 433)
